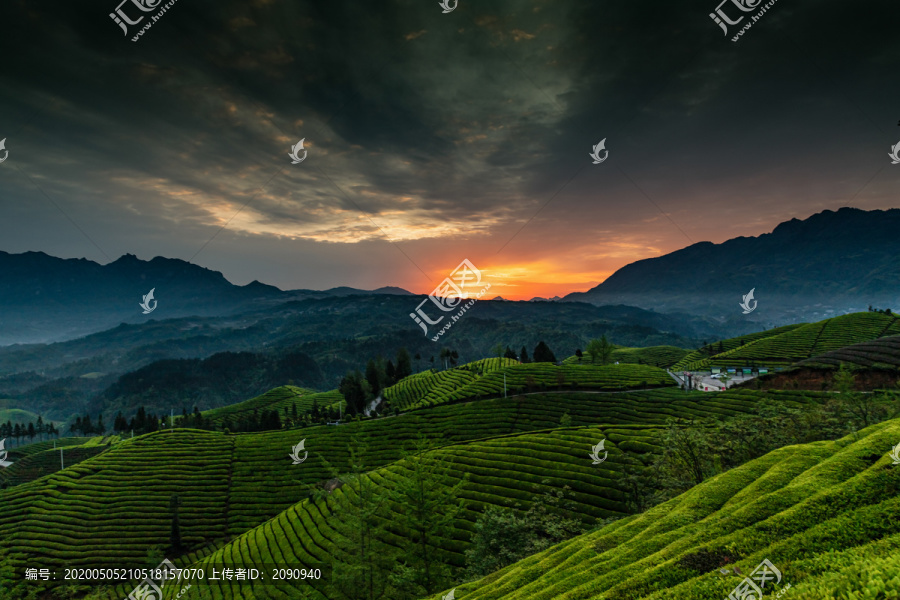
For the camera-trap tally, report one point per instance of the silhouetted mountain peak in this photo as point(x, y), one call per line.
point(838, 260)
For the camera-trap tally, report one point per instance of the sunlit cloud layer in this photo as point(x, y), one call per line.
point(432, 138)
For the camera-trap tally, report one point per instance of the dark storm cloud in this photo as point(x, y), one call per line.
point(422, 125)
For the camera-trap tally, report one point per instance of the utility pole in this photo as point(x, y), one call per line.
point(504, 385)
point(172, 419)
point(61, 465)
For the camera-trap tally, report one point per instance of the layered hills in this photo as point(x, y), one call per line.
point(830, 263)
point(502, 435)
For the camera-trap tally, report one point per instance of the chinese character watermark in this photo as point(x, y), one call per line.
point(448, 296)
point(751, 588)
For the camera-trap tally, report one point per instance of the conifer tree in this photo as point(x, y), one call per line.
point(404, 364)
point(175, 533)
point(361, 568)
point(429, 508)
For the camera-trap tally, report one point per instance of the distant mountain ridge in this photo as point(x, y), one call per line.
point(44, 298)
point(831, 263)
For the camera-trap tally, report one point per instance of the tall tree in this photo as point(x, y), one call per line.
point(523, 355)
point(509, 353)
point(445, 358)
point(542, 353)
point(429, 507)
point(404, 364)
point(355, 390)
point(390, 374)
point(503, 536)
point(600, 350)
point(363, 563)
point(862, 408)
point(374, 376)
point(175, 533)
point(687, 457)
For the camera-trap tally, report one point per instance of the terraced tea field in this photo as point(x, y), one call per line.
point(110, 509)
point(696, 356)
point(503, 471)
point(429, 389)
point(656, 356)
point(37, 464)
point(29, 449)
point(883, 353)
point(278, 399)
point(803, 342)
point(824, 514)
point(429, 386)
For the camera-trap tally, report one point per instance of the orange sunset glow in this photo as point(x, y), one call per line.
point(524, 281)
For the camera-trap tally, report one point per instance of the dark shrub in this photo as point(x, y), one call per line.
point(705, 559)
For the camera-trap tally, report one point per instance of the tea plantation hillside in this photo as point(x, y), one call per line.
point(279, 399)
point(502, 471)
point(883, 353)
point(826, 515)
point(37, 464)
point(33, 461)
point(729, 344)
point(112, 508)
point(657, 356)
point(416, 391)
point(465, 383)
point(16, 452)
point(802, 342)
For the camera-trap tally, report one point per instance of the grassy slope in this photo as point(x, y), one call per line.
point(800, 342)
point(17, 415)
point(111, 508)
point(826, 514)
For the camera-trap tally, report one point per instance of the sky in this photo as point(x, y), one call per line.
point(431, 137)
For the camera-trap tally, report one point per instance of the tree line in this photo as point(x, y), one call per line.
point(541, 353)
point(599, 351)
point(359, 389)
point(31, 430)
